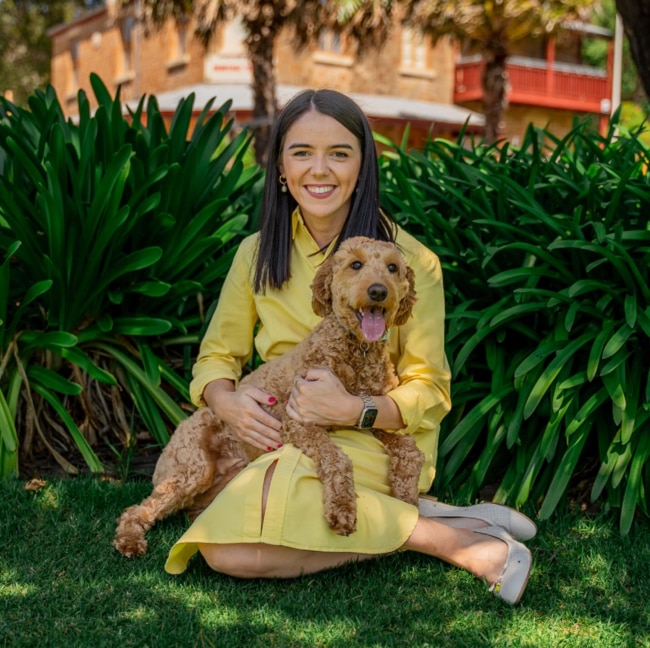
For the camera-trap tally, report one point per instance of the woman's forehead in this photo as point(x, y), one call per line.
point(316, 129)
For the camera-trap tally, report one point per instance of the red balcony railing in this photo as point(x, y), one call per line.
point(568, 87)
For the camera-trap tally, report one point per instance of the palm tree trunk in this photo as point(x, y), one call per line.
point(265, 105)
point(495, 79)
point(636, 21)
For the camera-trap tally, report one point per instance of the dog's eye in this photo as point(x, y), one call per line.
point(392, 267)
point(356, 265)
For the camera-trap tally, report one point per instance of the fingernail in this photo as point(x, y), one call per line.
point(270, 449)
point(271, 400)
point(280, 446)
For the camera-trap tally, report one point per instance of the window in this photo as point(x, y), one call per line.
point(414, 50)
point(330, 49)
point(127, 27)
point(177, 45)
point(329, 41)
point(74, 56)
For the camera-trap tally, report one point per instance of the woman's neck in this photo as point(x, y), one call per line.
point(323, 232)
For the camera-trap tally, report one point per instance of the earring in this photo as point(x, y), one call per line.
point(283, 181)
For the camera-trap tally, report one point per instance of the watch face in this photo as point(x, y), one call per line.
point(368, 418)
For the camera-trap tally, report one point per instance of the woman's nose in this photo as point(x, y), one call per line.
point(320, 165)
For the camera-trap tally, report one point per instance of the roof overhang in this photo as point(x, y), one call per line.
point(384, 107)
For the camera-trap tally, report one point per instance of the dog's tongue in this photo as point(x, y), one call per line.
point(372, 324)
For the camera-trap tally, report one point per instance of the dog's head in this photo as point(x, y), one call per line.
point(368, 286)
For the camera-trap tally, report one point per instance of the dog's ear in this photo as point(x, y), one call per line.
point(406, 304)
point(321, 287)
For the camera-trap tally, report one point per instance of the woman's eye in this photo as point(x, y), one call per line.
point(356, 265)
point(339, 154)
point(392, 267)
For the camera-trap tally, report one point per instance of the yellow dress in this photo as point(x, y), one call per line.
point(276, 321)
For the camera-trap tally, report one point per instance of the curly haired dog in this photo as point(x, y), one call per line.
point(360, 291)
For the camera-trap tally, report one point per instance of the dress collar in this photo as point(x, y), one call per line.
point(302, 236)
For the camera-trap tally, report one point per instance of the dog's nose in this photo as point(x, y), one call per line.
point(377, 292)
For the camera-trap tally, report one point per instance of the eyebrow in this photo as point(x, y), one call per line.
point(335, 146)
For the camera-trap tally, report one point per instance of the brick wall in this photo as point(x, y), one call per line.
point(101, 48)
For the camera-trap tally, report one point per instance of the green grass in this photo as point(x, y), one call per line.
point(63, 585)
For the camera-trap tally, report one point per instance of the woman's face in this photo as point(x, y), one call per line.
point(321, 160)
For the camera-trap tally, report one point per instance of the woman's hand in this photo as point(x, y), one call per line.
point(321, 398)
point(242, 411)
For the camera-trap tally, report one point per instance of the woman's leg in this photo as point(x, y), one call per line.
point(449, 539)
point(481, 555)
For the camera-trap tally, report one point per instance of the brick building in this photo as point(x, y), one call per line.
point(434, 89)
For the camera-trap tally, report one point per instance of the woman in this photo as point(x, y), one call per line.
point(321, 188)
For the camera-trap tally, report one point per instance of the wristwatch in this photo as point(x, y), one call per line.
point(368, 413)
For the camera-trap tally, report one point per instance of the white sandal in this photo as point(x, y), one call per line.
point(514, 522)
point(514, 576)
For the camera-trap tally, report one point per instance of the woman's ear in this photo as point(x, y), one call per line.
point(321, 300)
point(407, 302)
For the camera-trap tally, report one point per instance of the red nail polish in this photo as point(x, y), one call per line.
point(271, 400)
point(270, 449)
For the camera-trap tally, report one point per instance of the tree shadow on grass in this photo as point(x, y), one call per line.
point(62, 584)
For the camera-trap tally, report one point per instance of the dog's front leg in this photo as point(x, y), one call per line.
point(334, 470)
point(406, 461)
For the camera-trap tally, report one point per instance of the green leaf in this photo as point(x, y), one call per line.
point(514, 312)
point(552, 371)
point(8, 433)
point(563, 474)
point(473, 418)
point(53, 381)
point(617, 341)
point(47, 340)
point(597, 350)
point(537, 357)
point(86, 451)
point(173, 412)
point(151, 364)
point(583, 415)
point(634, 483)
point(77, 356)
point(140, 326)
point(149, 412)
point(616, 453)
point(630, 310)
point(151, 288)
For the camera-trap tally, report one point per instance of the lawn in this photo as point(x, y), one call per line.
point(63, 585)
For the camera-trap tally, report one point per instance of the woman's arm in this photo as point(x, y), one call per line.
point(226, 346)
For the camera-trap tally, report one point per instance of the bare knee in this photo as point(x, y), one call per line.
point(237, 560)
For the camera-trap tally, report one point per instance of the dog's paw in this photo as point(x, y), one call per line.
point(130, 547)
point(343, 523)
point(407, 492)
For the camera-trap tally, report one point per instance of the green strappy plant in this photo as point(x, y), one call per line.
point(546, 258)
point(115, 229)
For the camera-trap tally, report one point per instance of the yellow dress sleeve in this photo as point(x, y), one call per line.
point(423, 395)
point(228, 341)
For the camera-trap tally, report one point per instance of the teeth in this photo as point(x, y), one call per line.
point(320, 190)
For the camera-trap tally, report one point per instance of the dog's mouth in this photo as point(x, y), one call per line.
point(373, 323)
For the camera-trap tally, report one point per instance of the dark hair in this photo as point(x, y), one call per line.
point(365, 217)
